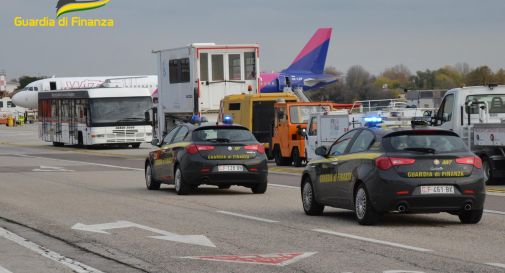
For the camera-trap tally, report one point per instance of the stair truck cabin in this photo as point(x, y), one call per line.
point(194, 79)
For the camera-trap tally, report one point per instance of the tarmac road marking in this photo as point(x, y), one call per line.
point(345, 235)
point(81, 162)
point(165, 235)
point(497, 265)
point(276, 259)
point(3, 270)
point(72, 264)
point(247, 216)
point(494, 212)
point(284, 186)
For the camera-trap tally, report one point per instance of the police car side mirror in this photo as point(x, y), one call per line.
point(155, 142)
point(321, 151)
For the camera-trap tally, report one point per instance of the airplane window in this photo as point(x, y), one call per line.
point(31, 88)
point(36, 89)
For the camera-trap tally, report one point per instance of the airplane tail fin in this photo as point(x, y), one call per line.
point(312, 58)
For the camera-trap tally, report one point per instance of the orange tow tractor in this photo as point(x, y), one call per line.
point(290, 126)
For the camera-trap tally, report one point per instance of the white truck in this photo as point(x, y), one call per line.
point(194, 79)
point(477, 114)
point(323, 129)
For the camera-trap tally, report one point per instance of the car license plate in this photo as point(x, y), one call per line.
point(437, 189)
point(230, 168)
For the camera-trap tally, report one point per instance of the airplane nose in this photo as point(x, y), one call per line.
point(16, 99)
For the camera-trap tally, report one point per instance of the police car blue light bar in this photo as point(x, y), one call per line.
point(373, 119)
point(227, 120)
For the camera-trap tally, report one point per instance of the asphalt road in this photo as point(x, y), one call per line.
point(71, 210)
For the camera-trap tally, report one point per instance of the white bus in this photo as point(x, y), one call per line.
point(101, 116)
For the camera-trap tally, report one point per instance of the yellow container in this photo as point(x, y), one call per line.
point(10, 121)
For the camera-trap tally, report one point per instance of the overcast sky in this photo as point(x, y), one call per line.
point(422, 34)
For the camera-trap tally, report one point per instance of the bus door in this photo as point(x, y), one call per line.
point(72, 121)
point(58, 120)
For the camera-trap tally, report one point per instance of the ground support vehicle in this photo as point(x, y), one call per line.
point(477, 114)
point(374, 171)
point(256, 113)
point(220, 155)
point(90, 117)
point(194, 79)
point(324, 128)
point(290, 124)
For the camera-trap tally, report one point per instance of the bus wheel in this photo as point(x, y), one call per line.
point(135, 145)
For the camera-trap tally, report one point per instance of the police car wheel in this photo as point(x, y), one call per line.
point(310, 205)
point(259, 188)
point(181, 188)
point(151, 183)
point(363, 210)
point(471, 217)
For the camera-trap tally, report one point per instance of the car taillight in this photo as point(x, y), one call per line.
point(193, 148)
point(256, 147)
point(470, 160)
point(385, 163)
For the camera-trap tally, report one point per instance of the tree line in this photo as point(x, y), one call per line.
point(358, 84)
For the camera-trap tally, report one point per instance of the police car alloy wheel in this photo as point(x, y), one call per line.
point(151, 183)
point(180, 187)
point(310, 205)
point(365, 214)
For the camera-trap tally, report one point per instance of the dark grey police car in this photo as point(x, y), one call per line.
point(220, 155)
point(373, 171)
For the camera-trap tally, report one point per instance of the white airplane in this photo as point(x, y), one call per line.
point(28, 97)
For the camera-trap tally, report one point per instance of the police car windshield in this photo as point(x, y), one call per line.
point(222, 135)
point(432, 143)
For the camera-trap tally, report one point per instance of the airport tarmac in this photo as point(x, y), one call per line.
point(87, 210)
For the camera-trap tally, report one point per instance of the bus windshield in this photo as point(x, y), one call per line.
point(300, 114)
point(119, 111)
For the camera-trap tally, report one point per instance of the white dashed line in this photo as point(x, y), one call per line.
point(82, 162)
point(345, 235)
point(497, 265)
point(494, 211)
point(72, 264)
point(3, 270)
point(247, 217)
point(284, 186)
